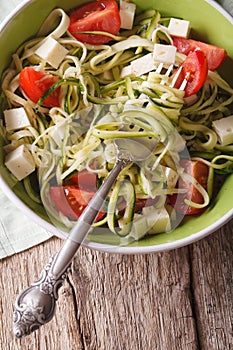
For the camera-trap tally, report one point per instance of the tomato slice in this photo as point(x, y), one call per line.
point(195, 70)
point(84, 180)
point(35, 83)
point(200, 172)
point(214, 54)
point(71, 201)
point(100, 15)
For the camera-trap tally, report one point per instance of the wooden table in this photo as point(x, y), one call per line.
point(180, 299)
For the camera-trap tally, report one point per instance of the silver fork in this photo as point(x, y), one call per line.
point(35, 306)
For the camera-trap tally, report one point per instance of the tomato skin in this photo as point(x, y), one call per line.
point(195, 70)
point(100, 15)
point(35, 83)
point(84, 180)
point(200, 172)
point(142, 203)
point(71, 201)
point(215, 55)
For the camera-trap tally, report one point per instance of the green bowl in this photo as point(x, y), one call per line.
point(209, 23)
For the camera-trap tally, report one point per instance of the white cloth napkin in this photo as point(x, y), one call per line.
point(18, 232)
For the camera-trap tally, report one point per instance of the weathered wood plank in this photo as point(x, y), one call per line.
point(180, 299)
point(212, 284)
point(134, 302)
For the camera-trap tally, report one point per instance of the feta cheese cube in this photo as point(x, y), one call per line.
point(51, 51)
point(179, 27)
point(224, 129)
point(153, 220)
point(20, 162)
point(159, 221)
point(16, 119)
point(143, 65)
point(127, 12)
point(126, 71)
point(164, 53)
point(58, 134)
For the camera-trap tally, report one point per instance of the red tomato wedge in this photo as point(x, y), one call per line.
point(100, 15)
point(195, 70)
point(35, 83)
point(200, 172)
point(84, 180)
point(214, 54)
point(71, 201)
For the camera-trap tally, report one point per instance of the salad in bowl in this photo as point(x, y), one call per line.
point(93, 67)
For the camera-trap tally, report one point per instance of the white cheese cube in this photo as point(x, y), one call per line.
point(179, 27)
point(127, 12)
point(143, 65)
point(58, 133)
point(152, 221)
point(159, 221)
point(126, 71)
point(224, 129)
point(16, 119)
point(20, 162)
point(51, 51)
point(164, 53)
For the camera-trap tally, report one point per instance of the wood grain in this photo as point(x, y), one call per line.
point(180, 299)
point(212, 276)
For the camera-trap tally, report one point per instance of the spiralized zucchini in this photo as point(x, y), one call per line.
point(96, 100)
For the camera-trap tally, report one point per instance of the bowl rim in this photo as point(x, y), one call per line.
point(99, 246)
point(25, 3)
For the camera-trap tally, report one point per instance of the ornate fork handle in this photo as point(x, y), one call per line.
point(36, 305)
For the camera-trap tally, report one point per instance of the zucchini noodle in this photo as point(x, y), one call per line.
point(96, 99)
